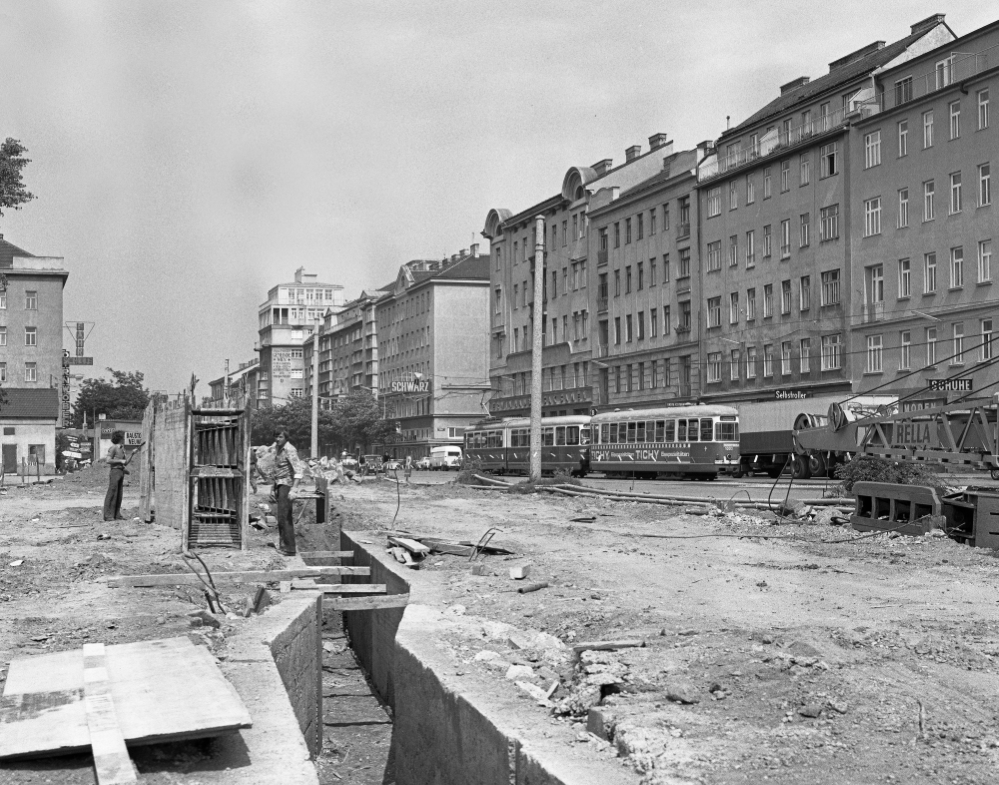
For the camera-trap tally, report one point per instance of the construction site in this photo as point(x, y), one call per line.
point(465, 630)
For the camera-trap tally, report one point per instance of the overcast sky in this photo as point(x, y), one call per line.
point(189, 155)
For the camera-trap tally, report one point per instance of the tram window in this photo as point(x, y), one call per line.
point(707, 429)
point(584, 435)
point(660, 430)
point(548, 437)
point(726, 431)
point(572, 434)
point(496, 439)
point(670, 435)
point(692, 430)
point(640, 427)
point(560, 435)
point(681, 430)
point(631, 432)
point(604, 433)
point(613, 432)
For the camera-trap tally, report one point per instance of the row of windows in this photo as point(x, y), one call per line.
point(983, 191)
point(579, 225)
point(635, 226)
point(829, 296)
point(556, 377)
point(830, 359)
point(828, 230)
point(580, 331)
point(684, 429)
point(903, 90)
point(30, 372)
point(30, 301)
point(30, 336)
point(875, 278)
point(981, 348)
point(580, 280)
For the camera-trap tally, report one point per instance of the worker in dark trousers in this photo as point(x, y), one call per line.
point(118, 459)
point(287, 474)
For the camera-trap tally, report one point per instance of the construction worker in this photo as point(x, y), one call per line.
point(118, 458)
point(288, 471)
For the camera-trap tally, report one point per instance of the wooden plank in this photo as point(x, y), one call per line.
point(146, 464)
point(340, 588)
point(632, 643)
point(326, 554)
point(368, 603)
point(111, 761)
point(249, 576)
point(412, 546)
point(163, 690)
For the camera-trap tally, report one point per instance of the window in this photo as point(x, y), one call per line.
point(641, 276)
point(714, 201)
point(983, 109)
point(3, 377)
point(751, 362)
point(805, 348)
point(872, 216)
point(684, 228)
point(804, 230)
point(768, 301)
point(785, 297)
point(927, 129)
point(987, 346)
point(766, 183)
point(785, 238)
point(714, 256)
point(653, 267)
point(832, 356)
point(653, 322)
point(3, 336)
point(956, 267)
point(666, 319)
point(929, 273)
point(904, 283)
point(874, 354)
point(714, 366)
point(665, 268)
point(628, 329)
point(905, 351)
point(984, 261)
point(984, 185)
point(785, 176)
point(627, 279)
point(955, 120)
point(733, 365)
point(733, 195)
point(652, 222)
point(829, 159)
point(824, 123)
point(929, 212)
point(733, 308)
point(804, 170)
point(830, 288)
point(804, 293)
point(931, 346)
point(641, 225)
point(714, 312)
point(829, 223)
point(629, 379)
point(750, 248)
point(958, 333)
point(31, 372)
point(554, 288)
point(3, 301)
point(768, 360)
point(684, 271)
point(617, 330)
point(31, 301)
point(903, 138)
point(627, 231)
point(617, 283)
point(955, 193)
point(640, 318)
point(750, 190)
point(733, 251)
point(903, 207)
point(785, 358)
point(617, 234)
point(903, 91)
point(665, 217)
point(872, 149)
point(31, 336)
point(767, 242)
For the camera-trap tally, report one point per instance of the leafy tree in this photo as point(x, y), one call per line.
point(12, 190)
point(123, 398)
point(360, 421)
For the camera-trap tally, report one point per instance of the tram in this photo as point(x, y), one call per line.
point(503, 446)
point(698, 441)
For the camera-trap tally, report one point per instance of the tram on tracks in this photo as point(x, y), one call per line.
point(697, 441)
point(503, 446)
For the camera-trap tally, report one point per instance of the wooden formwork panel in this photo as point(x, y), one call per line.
point(171, 439)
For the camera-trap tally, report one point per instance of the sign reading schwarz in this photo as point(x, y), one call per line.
point(951, 385)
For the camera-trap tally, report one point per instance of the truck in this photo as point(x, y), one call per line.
point(766, 428)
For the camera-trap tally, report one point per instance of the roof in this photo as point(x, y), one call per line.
point(836, 77)
point(8, 251)
point(27, 403)
point(469, 268)
point(677, 168)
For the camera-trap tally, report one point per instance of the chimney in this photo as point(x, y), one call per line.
point(860, 54)
point(705, 148)
point(462, 253)
point(794, 84)
point(656, 141)
point(632, 152)
point(926, 24)
point(474, 250)
point(602, 167)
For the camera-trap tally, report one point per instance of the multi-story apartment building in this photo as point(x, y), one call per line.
point(570, 289)
point(242, 382)
point(647, 288)
point(777, 226)
point(420, 345)
point(287, 318)
point(31, 355)
point(925, 304)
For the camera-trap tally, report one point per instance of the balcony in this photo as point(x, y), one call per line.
point(602, 304)
point(602, 257)
point(603, 350)
point(683, 286)
point(682, 231)
point(874, 312)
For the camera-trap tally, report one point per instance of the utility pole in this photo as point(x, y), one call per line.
point(537, 328)
point(314, 454)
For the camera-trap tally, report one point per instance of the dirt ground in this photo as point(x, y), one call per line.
point(824, 656)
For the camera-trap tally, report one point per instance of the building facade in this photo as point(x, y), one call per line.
point(286, 319)
point(31, 355)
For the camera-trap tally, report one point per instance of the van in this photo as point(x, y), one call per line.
point(445, 458)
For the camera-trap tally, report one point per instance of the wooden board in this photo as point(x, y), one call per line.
point(340, 588)
point(147, 482)
point(326, 554)
point(368, 603)
point(111, 761)
point(251, 576)
point(163, 690)
point(410, 545)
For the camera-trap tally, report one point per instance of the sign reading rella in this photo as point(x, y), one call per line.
point(553, 398)
point(421, 386)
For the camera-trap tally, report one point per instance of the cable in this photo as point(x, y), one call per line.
point(398, 492)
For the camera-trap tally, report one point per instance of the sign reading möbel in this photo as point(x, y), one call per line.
point(951, 385)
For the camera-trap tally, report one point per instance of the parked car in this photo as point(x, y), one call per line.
point(392, 465)
point(424, 463)
point(445, 458)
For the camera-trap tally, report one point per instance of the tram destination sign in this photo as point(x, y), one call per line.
point(950, 385)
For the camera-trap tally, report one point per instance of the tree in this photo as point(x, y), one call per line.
point(359, 421)
point(124, 398)
point(12, 190)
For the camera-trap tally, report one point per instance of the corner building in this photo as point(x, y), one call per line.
point(777, 210)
